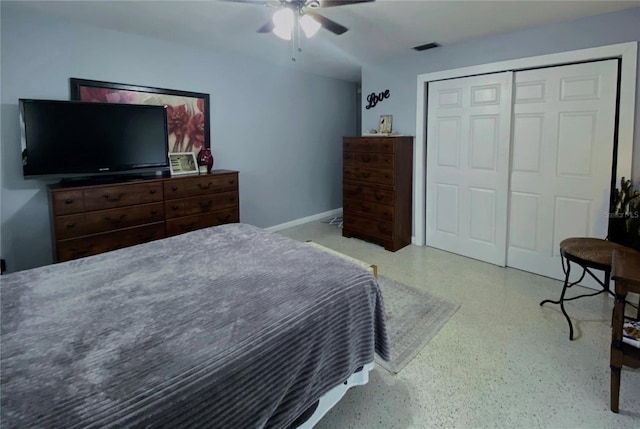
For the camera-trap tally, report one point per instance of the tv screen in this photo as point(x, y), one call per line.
point(71, 138)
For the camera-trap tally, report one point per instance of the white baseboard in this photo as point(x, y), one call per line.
point(307, 219)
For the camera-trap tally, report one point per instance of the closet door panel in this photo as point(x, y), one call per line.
point(563, 139)
point(468, 133)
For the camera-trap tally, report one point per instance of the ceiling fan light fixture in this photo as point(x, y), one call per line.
point(283, 23)
point(309, 25)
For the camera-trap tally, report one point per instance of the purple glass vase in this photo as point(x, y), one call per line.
point(205, 160)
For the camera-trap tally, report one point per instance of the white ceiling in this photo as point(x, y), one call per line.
point(378, 31)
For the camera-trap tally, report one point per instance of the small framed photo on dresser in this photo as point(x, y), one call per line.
point(384, 125)
point(183, 163)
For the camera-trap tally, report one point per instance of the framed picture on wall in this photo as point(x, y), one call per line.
point(187, 112)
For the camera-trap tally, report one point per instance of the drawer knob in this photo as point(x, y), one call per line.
point(379, 197)
point(366, 158)
point(205, 205)
point(152, 191)
point(366, 175)
point(71, 224)
point(175, 207)
point(231, 182)
point(174, 188)
point(154, 211)
point(224, 219)
point(201, 186)
point(68, 201)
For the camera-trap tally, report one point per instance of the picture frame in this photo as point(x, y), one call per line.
point(188, 114)
point(183, 163)
point(384, 124)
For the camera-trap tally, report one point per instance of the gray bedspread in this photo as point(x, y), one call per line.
point(226, 327)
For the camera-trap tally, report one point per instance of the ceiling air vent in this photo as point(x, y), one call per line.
point(426, 46)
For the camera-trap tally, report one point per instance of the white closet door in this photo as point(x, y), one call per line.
point(468, 133)
point(563, 126)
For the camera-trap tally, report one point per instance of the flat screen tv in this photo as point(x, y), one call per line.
point(72, 138)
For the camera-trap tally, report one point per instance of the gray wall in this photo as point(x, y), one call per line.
point(400, 75)
point(281, 129)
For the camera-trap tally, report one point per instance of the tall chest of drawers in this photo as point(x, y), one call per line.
point(377, 189)
point(87, 220)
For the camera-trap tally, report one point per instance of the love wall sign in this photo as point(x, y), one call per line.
point(374, 98)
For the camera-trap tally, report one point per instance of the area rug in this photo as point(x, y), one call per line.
point(413, 318)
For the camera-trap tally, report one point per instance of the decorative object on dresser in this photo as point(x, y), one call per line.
point(377, 189)
point(205, 160)
point(92, 219)
point(384, 124)
point(187, 112)
point(183, 163)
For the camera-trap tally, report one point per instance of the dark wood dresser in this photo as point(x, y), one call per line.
point(377, 189)
point(87, 220)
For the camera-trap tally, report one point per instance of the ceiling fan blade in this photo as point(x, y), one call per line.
point(267, 27)
point(328, 24)
point(333, 3)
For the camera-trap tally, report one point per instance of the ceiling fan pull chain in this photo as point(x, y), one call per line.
point(298, 30)
point(295, 34)
point(293, 46)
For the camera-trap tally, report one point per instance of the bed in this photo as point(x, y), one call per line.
point(225, 327)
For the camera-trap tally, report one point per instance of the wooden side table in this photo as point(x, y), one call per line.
point(626, 274)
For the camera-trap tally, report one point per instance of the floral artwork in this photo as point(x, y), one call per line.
point(187, 112)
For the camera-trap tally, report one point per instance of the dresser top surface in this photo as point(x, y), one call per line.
point(87, 183)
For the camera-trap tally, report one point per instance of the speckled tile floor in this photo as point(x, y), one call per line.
point(501, 361)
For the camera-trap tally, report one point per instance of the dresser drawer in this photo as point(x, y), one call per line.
point(373, 228)
point(368, 175)
point(92, 245)
point(365, 208)
point(108, 197)
point(372, 160)
point(367, 194)
point(106, 220)
point(203, 204)
point(66, 202)
point(191, 223)
point(200, 185)
point(373, 144)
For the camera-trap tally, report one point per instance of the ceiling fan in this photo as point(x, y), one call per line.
point(301, 12)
